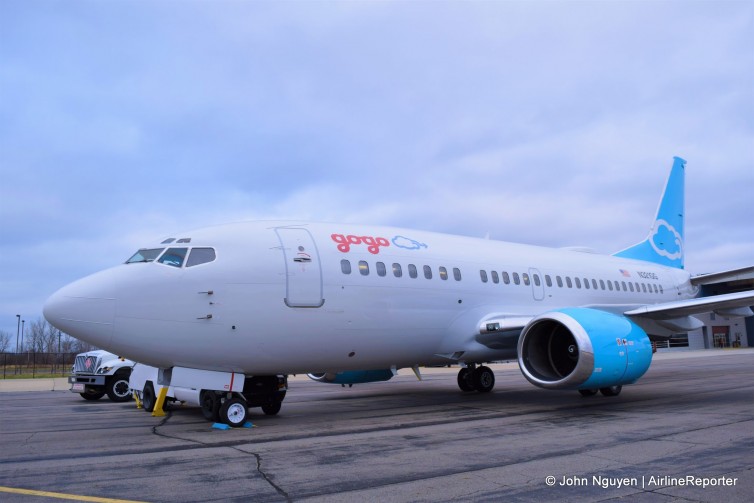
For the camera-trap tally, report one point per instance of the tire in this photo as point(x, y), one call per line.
point(210, 402)
point(118, 389)
point(233, 412)
point(464, 380)
point(272, 408)
point(588, 392)
point(611, 391)
point(483, 379)
point(148, 398)
point(91, 394)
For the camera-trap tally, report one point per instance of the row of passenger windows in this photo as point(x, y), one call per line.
point(397, 270)
point(506, 278)
point(610, 285)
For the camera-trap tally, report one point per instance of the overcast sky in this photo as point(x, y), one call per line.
point(551, 123)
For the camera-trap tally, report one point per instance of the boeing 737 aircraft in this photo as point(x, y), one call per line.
point(224, 312)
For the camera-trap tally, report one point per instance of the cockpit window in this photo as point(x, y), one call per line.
point(173, 256)
point(200, 256)
point(145, 255)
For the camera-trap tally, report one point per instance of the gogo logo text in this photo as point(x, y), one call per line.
point(373, 244)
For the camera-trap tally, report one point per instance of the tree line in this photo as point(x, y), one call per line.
point(41, 337)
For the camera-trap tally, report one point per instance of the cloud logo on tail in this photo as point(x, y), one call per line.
point(666, 241)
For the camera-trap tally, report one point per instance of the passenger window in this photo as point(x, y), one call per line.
point(609, 285)
point(345, 266)
point(559, 280)
point(495, 277)
point(397, 270)
point(412, 271)
point(443, 273)
point(617, 286)
point(569, 284)
point(483, 275)
point(363, 268)
point(631, 286)
point(661, 289)
point(173, 257)
point(537, 280)
point(578, 282)
point(644, 287)
point(427, 272)
point(625, 289)
point(457, 274)
point(602, 285)
point(526, 279)
point(586, 283)
point(594, 284)
point(200, 256)
point(548, 280)
point(506, 278)
point(381, 270)
point(656, 289)
point(516, 279)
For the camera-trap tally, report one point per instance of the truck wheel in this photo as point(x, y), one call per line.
point(148, 397)
point(210, 402)
point(233, 412)
point(118, 389)
point(272, 408)
point(92, 394)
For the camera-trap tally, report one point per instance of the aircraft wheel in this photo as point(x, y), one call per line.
point(272, 407)
point(483, 379)
point(148, 398)
point(588, 392)
point(210, 405)
point(91, 394)
point(464, 380)
point(233, 412)
point(118, 389)
point(611, 390)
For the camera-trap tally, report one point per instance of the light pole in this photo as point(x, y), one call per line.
point(18, 329)
point(22, 333)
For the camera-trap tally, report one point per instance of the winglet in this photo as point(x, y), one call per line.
point(665, 242)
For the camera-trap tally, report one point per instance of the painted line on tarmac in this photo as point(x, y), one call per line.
point(62, 496)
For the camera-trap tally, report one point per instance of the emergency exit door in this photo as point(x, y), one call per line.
point(303, 272)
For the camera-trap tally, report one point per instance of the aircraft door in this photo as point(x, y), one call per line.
point(537, 284)
point(303, 271)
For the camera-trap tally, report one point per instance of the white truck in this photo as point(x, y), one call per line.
point(222, 396)
point(99, 373)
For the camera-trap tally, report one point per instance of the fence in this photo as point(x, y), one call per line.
point(33, 364)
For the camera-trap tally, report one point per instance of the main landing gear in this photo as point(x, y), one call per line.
point(609, 391)
point(474, 378)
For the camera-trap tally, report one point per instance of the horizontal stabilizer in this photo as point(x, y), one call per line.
point(742, 274)
point(683, 308)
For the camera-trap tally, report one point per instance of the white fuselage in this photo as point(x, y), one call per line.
point(276, 299)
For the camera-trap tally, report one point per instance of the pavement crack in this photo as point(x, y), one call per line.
point(264, 475)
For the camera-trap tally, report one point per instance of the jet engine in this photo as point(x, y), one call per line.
point(583, 348)
point(352, 376)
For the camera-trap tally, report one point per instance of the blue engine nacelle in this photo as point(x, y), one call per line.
point(582, 348)
point(352, 376)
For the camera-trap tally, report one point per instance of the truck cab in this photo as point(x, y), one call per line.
point(99, 373)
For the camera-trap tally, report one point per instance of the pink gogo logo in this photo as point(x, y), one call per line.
point(373, 243)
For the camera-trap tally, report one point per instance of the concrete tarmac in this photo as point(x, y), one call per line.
point(692, 415)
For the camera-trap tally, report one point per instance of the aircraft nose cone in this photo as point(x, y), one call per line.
point(83, 310)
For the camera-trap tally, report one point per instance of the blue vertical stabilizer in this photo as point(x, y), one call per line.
point(665, 242)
